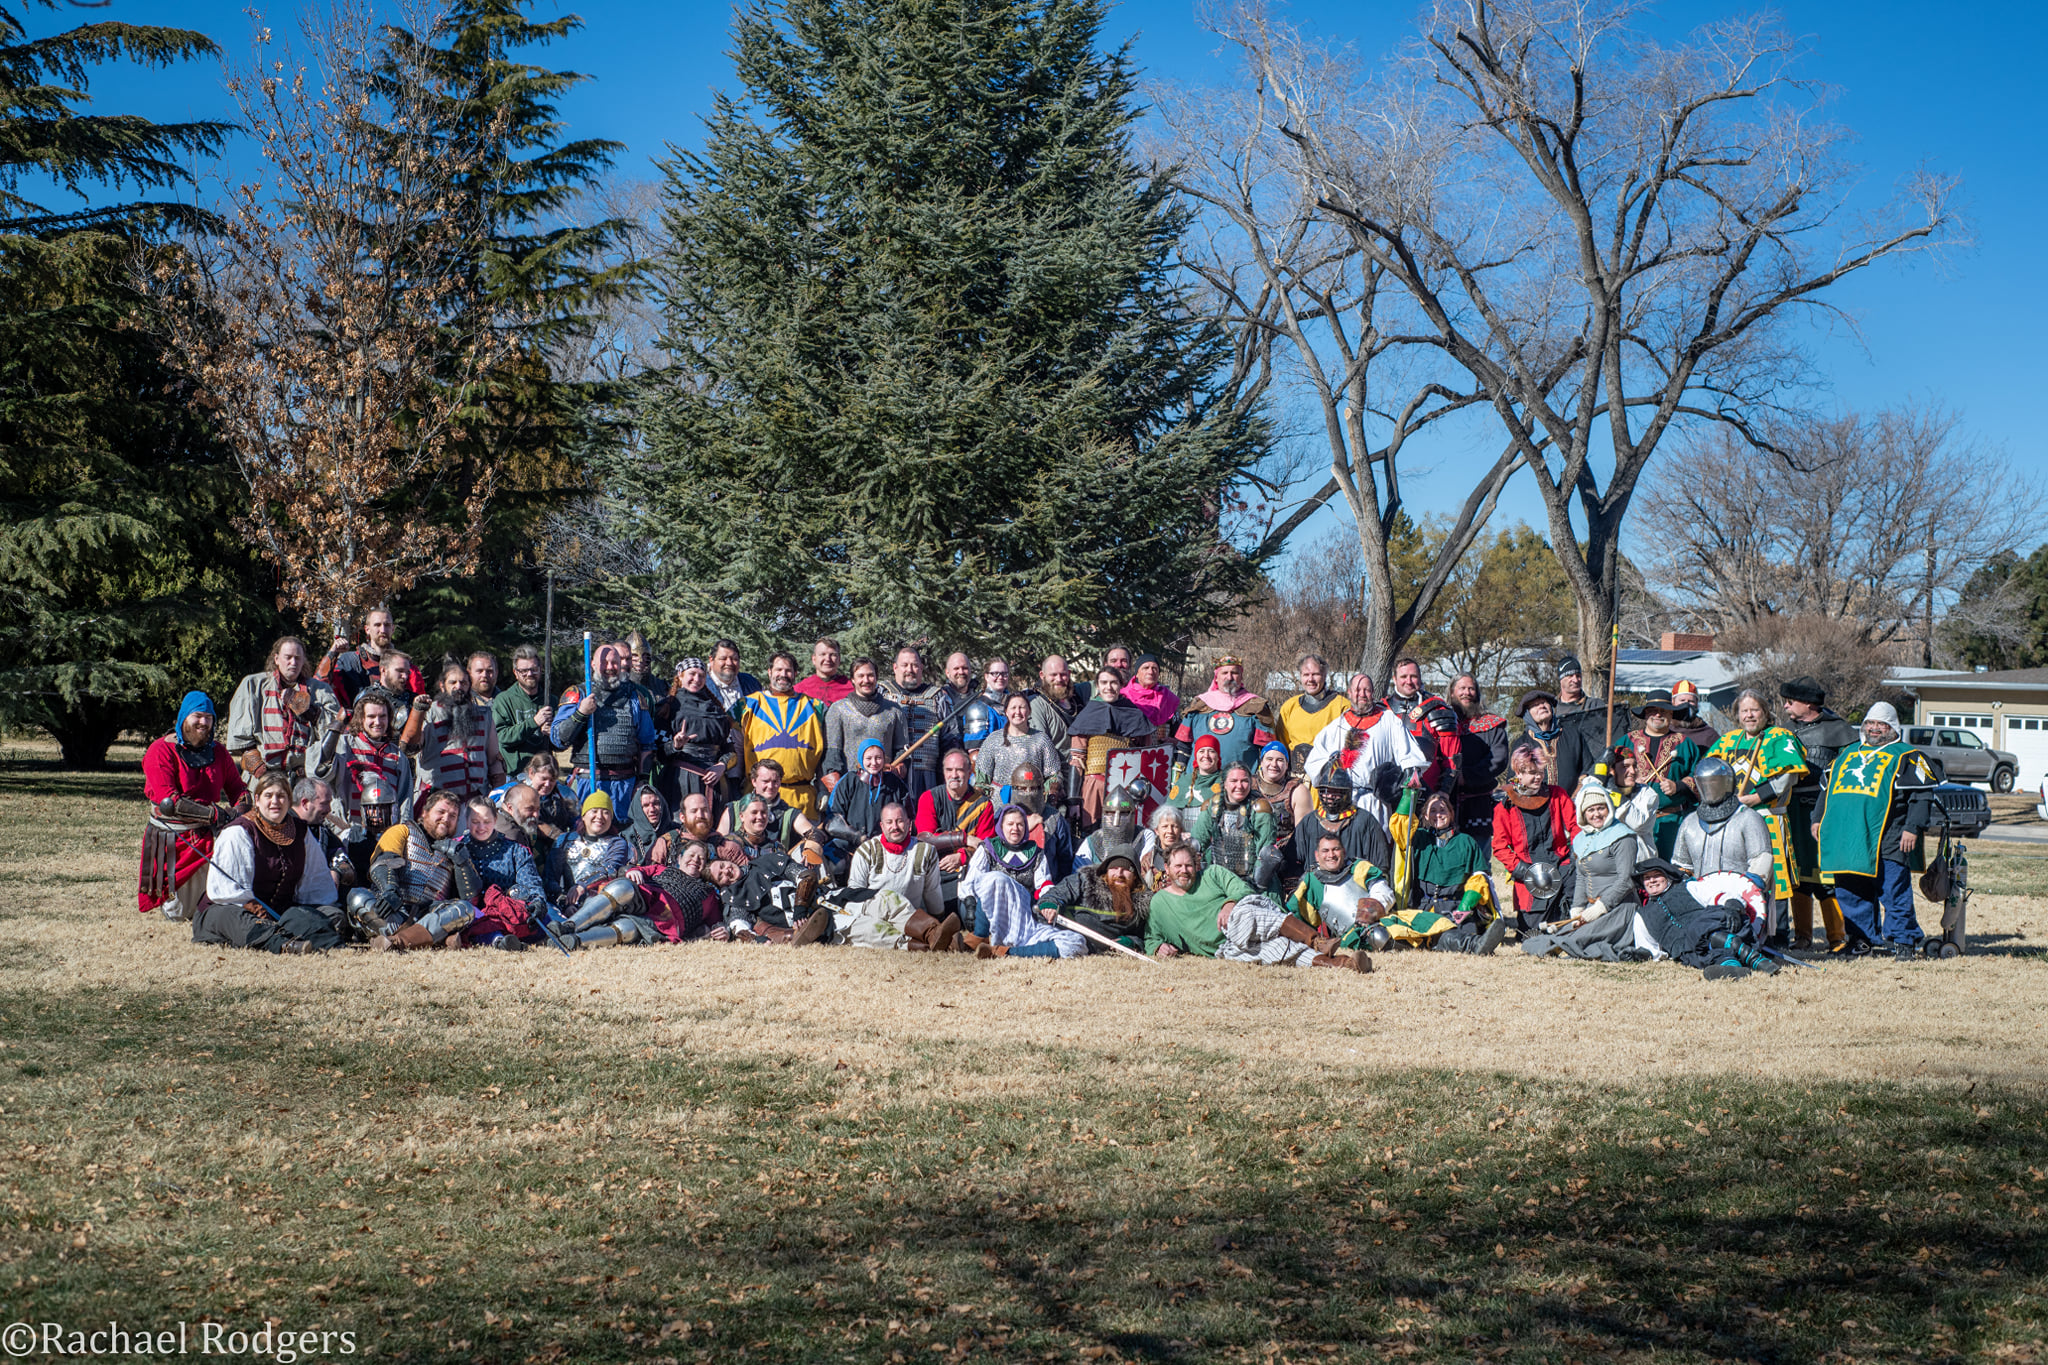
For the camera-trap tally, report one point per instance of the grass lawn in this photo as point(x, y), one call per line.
point(721, 1153)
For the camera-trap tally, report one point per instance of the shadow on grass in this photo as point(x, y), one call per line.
point(168, 1159)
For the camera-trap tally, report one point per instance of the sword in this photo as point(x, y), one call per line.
point(1085, 932)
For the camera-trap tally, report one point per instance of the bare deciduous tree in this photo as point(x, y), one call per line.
point(1601, 237)
point(1305, 306)
point(1878, 521)
point(318, 322)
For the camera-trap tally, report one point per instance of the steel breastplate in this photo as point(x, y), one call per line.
point(1340, 904)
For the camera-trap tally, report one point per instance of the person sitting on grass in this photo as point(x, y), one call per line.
point(894, 896)
point(1714, 938)
point(1213, 912)
point(654, 903)
point(512, 892)
point(1600, 925)
point(1448, 878)
point(774, 898)
point(1108, 897)
point(1006, 879)
point(596, 852)
point(423, 889)
point(269, 888)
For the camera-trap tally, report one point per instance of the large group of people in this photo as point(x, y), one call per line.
point(350, 799)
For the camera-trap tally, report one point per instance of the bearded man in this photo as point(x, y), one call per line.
point(458, 750)
point(701, 745)
point(348, 671)
point(624, 731)
point(778, 723)
point(268, 887)
point(424, 889)
point(191, 785)
point(863, 714)
point(1236, 828)
point(953, 817)
point(1482, 758)
point(925, 706)
point(774, 899)
point(1056, 701)
point(959, 671)
point(1240, 721)
point(1212, 912)
point(278, 714)
point(826, 684)
point(695, 818)
point(519, 820)
point(482, 667)
point(1303, 715)
point(1374, 746)
point(1107, 895)
point(519, 713)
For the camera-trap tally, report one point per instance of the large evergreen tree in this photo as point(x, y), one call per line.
point(932, 377)
point(549, 273)
point(120, 579)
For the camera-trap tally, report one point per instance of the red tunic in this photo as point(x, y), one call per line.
point(824, 691)
point(1511, 837)
point(166, 776)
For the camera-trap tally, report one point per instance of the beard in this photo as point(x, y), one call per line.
point(525, 831)
point(1062, 692)
point(700, 829)
point(461, 715)
point(1119, 900)
point(603, 689)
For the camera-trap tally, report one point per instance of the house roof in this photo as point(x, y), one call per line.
point(1993, 680)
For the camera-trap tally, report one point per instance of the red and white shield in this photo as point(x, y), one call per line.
point(1152, 766)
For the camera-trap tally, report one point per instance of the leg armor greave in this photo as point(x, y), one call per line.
point(449, 917)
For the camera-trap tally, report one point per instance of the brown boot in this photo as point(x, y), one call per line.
point(807, 887)
point(1351, 962)
point(1831, 917)
point(811, 930)
point(919, 927)
point(1802, 922)
point(945, 935)
point(1296, 930)
point(969, 943)
point(411, 936)
point(992, 950)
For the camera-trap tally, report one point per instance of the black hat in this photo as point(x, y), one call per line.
point(1661, 700)
point(1120, 853)
point(1645, 865)
point(1531, 697)
point(1803, 689)
point(1568, 667)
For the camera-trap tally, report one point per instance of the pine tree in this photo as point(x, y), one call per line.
point(120, 580)
point(523, 182)
point(932, 376)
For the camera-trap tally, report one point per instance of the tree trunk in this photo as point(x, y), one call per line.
point(84, 733)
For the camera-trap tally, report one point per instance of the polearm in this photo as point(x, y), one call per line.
point(908, 748)
point(547, 653)
point(1085, 932)
point(593, 715)
point(1613, 666)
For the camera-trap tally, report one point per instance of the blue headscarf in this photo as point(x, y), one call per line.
point(860, 754)
point(1275, 746)
point(194, 704)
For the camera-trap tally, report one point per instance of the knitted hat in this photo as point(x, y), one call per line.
point(595, 801)
point(1568, 667)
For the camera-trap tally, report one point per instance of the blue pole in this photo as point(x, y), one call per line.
point(593, 719)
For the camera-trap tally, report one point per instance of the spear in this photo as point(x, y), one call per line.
point(593, 718)
point(1085, 932)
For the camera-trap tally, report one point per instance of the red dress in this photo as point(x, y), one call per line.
point(1511, 837)
point(168, 775)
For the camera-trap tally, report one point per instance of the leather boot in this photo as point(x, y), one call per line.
point(945, 935)
point(1802, 921)
point(970, 943)
point(1296, 930)
point(992, 950)
point(807, 887)
point(411, 936)
point(1831, 917)
point(817, 926)
point(919, 927)
point(297, 947)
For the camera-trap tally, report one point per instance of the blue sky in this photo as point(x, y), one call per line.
point(1956, 90)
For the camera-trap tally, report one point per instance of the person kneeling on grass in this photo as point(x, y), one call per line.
point(1213, 912)
point(1715, 938)
point(658, 902)
point(423, 889)
point(269, 887)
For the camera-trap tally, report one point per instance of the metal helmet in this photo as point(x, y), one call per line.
point(1119, 816)
point(1540, 878)
point(1027, 788)
point(978, 720)
point(376, 796)
point(1334, 790)
point(1377, 939)
point(1714, 779)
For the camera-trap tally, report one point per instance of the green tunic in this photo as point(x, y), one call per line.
point(519, 739)
point(1187, 919)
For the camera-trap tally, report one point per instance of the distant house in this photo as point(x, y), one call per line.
point(2006, 708)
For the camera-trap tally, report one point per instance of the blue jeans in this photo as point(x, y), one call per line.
point(1880, 908)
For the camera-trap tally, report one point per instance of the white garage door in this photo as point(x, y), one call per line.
point(1981, 726)
point(2027, 738)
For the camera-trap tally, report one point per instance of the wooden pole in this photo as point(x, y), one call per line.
point(1085, 932)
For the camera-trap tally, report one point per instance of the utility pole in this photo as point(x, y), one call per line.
point(1927, 652)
